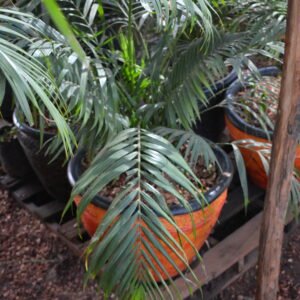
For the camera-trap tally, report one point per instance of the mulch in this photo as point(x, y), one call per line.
point(35, 264)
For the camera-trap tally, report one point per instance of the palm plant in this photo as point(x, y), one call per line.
point(132, 77)
point(255, 103)
point(238, 15)
point(33, 87)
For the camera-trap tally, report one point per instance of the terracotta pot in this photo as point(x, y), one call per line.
point(240, 130)
point(212, 122)
point(204, 217)
point(53, 176)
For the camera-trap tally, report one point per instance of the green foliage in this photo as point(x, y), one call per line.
point(64, 27)
point(258, 102)
point(143, 156)
point(28, 78)
point(123, 68)
point(264, 152)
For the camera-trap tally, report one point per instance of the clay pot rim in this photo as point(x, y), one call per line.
point(235, 119)
point(217, 87)
point(30, 130)
point(224, 179)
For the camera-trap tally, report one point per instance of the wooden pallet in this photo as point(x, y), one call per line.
point(230, 251)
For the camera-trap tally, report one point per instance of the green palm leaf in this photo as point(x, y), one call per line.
point(32, 85)
point(198, 63)
point(145, 157)
point(196, 146)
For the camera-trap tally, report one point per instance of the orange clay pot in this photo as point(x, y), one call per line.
point(204, 217)
point(204, 222)
point(240, 130)
point(254, 166)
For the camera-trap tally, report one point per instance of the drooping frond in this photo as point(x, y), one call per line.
point(264, 153)
point(132, 232)
point(195, 145)
point(27, 77)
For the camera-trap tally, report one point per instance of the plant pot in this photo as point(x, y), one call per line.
point(13, 159)
point(212, 121)
point(240, 130)
point(53, 176)
point(7, 106)
point(204, 217)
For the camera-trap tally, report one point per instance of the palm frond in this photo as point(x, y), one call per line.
point(263, 151)
point(294, 197)
point(195, 145)
point(28, 78)
point(252, 11)
point(65, 28)
point(132, 231)
point(241, 171)
point(81, 15)
point(199, 62)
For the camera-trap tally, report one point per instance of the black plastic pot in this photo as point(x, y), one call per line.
point(76, 169)
point(13, 159)
point(7, 106)
point(234, 117)
point(212, 121)
point(53, 176)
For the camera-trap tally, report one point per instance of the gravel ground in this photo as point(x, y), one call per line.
point(34, 264)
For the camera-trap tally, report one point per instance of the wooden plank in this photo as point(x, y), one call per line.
point(231, 250)
point(76, 248)
point(241, 245)
point(47, 210)
point(69, 229)
point(26, 191)
point(235, 202)
point(214, 287)
point(218, 284)
point(9, 182)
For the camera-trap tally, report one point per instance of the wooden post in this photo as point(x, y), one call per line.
point(282, 160)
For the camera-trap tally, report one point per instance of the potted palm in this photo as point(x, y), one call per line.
point(147, 188)
point(250, 116)
point(34, 88)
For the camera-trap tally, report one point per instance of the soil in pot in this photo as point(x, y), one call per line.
point(52, 174)
point(257, 104)
point(12, 157)
point(215, 185)
point(251, 114)
point(211, 124)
